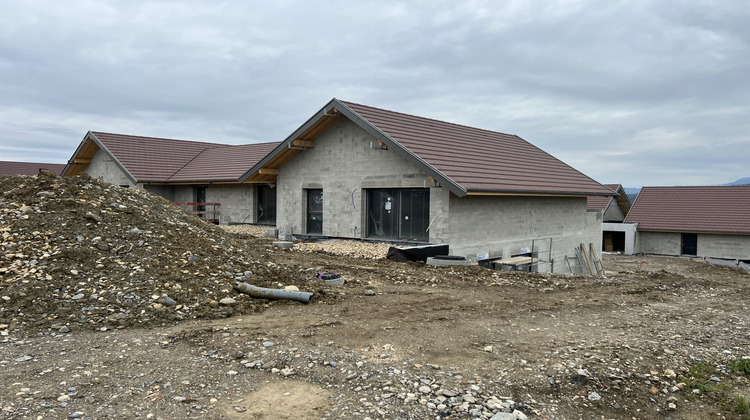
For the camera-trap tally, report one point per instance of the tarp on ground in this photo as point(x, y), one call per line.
point(416, 253)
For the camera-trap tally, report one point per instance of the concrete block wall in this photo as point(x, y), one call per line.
point(503, 225)
point(104, 168)
point(165, 191)
point(661, 243)
point(709, 245)
point(237, 202)
point(735, 247)
point(343, 164)
point(613, 212)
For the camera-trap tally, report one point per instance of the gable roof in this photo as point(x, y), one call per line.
point(719, 209)
point(466, 160)
point(28, 168)
point(602, 203)
point(153, 159)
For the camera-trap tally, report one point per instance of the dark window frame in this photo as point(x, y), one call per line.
point(398, 213)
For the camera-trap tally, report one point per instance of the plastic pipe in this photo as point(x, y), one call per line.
point(264, 293)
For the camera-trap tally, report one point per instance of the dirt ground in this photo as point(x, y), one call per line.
point(656, 337)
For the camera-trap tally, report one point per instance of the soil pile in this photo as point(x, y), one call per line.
point(76, 252)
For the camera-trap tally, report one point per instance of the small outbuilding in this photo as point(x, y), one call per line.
point(202, 175)
point(711, 221)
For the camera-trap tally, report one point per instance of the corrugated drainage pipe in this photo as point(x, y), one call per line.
point(264, 293)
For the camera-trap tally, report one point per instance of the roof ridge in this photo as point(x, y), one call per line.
point(196, 157)
point(430, 119)
point(159, 138)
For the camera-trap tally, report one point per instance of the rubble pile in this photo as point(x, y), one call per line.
point(77, 252)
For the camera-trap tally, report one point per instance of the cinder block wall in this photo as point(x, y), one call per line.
point(503, 225)
point(104, 168)
point(662, 243)
point(343, 164)
point(237, 202)
point(709, 245)
point(724, 246)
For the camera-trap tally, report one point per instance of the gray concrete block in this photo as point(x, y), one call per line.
point(283, 244)
point(440, 263)
point(272, 233)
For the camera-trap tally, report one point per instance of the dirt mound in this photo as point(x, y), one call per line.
point(77, 252)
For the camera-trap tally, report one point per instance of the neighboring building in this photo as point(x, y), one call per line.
point(696, 221)
point(180, 171)
point(355, 171)
point(28, 168)
point(616, 235)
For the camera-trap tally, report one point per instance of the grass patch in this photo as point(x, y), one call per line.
point(742, 407)
point(741, 366)
point(698, 377)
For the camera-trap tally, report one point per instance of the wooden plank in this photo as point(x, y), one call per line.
point(268, 171)
point(597, 262)
point(514, 260)
point(303, 143)
point(586, 257)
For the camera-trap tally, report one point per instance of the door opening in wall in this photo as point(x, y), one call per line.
point(398, 213)
point(315, 211)
point(200, 197)
point(689, 244)
point(265, 198)
point(613, 241)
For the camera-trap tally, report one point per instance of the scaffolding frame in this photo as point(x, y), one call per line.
point(540, 257)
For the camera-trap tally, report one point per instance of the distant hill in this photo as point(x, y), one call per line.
point(632, 193)
point(741, 181)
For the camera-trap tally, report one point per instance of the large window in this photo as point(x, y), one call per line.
point(315, 212)
point(398, 213)
point(266, 199)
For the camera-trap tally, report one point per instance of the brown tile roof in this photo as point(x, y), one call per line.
point(720, 209)
point(598, 202)
point(480, 160)
point(153, 159)
point(223, 163)
point(28, 168)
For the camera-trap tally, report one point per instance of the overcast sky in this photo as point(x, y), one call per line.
point(630, 92)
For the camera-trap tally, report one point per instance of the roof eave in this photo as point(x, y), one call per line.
point(536, 193)
point(675, 230)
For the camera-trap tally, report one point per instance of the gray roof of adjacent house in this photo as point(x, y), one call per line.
point(467, 160)
point(717, 209)
point(28, 168)
point(160, 160)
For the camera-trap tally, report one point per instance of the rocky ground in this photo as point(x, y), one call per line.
point(116, 304)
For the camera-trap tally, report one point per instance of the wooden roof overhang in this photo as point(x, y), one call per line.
point(267, 169)
point(85, 152)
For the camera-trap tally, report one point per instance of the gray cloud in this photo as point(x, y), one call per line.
point(640, 93)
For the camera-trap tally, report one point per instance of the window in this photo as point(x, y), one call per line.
point(265, 198)
point(398, 213)
point(315, 211)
